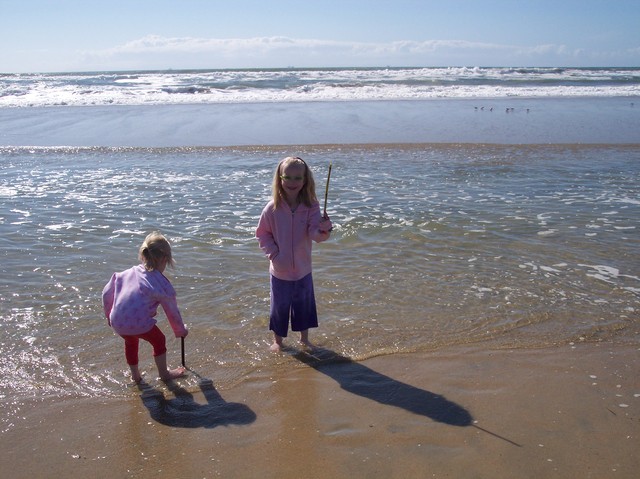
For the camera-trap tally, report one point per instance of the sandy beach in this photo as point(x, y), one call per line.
point(503, 249)
point(463, 412)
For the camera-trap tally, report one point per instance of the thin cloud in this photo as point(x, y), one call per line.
point(154, 51)
point(159, 44)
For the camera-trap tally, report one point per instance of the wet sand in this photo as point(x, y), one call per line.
point(464, 412)
point(500, 121)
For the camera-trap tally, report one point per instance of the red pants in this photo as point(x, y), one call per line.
point(153, 336)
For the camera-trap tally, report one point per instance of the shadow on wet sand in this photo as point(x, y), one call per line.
point(363, 381)
point(183, 411)
point(357, 378)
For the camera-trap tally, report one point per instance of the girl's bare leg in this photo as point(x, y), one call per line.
point(135, 373)
point(167, 374)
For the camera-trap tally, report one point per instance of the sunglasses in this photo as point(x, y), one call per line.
point(291, 178)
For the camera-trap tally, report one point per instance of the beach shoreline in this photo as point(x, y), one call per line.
point(489, 121)
point(521, 245)
point(479, 291)
point(466, 411)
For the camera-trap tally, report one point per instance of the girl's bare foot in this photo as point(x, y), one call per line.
point(304, 340)
point(277, 343)
point(174, 374)
point(167, 374)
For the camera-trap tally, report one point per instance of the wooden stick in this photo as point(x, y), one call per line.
point(182, 343)
point(326, 191)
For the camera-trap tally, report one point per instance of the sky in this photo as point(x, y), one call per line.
point(85, 35)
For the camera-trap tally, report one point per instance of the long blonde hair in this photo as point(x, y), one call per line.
point(307, 194)
point(154, 250)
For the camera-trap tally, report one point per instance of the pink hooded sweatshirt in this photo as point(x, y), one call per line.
point(285, 238)
point(131, 299)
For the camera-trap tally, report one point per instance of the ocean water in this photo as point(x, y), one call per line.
point(304, 85)
point(435, 244)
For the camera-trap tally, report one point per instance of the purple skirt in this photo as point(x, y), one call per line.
point(295, 300)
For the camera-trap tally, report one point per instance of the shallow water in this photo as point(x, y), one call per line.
point(433, 245)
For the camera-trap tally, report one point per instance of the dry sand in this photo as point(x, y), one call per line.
point(464, 412)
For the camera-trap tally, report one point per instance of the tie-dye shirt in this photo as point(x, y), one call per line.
point(131, 299)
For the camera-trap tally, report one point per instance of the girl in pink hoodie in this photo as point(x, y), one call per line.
point(131, 299)
point(288, 225)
